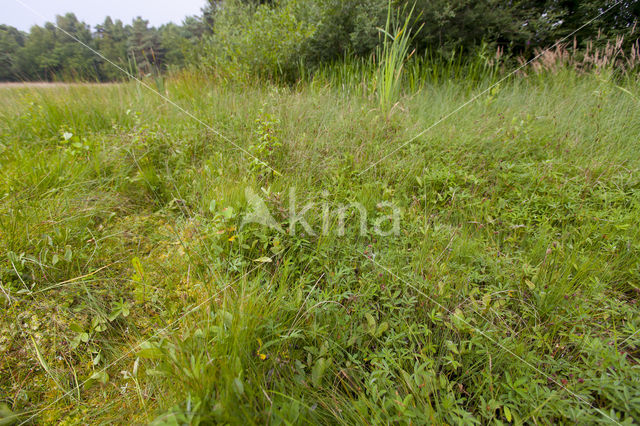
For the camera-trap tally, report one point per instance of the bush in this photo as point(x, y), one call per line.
point(261, 40)
point(279, 38)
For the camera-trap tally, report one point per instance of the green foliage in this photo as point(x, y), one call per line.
point(50, 52)
point(143, 45)
point(259, 40)
point(287, 39)
point(267, 142)
point(128, 283)
point(391, 59)
point(11, 40)
point(111, 41)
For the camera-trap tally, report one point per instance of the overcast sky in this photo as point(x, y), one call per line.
point(93, 12)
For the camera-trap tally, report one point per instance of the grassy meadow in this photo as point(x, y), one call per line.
point(131, 292)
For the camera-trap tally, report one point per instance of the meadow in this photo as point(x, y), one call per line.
point(132, 291)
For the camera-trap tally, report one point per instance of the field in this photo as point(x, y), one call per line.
point(216, 268)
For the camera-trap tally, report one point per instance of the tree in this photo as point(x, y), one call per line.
point(195, 27)
point(74, 59)
point(11, 41)
point(35, 59)
point(144, 48)
point(52, 51)
point(578, 16)
point(49, 52)
point(111, 41)
point(173, 42)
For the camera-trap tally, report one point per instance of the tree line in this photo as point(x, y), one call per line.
point(279, 37)
point(49, 53)
point(275, 37)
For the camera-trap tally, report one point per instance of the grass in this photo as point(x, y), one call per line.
point(131, 290)
point(392, 55)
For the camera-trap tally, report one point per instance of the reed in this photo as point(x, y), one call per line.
point(392, 55)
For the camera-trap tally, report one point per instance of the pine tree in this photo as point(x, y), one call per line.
point(144, 47)
point(111, 40)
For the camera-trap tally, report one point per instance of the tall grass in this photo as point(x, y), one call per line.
point(360, 76)
point(392, 55)
point(122, 252)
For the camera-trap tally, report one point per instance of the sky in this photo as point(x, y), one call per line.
point(158, 12)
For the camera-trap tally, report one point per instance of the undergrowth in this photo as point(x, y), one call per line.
point(133, 290)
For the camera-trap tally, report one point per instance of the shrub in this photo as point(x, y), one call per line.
point(260, 40)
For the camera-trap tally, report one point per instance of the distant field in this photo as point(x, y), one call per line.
point(44, 84)
point(218, 270)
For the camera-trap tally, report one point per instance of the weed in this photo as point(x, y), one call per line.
point(130, 288)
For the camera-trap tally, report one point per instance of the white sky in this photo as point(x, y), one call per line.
point(93, 12)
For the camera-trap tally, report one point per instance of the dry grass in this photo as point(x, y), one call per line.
point(45, 84)
point(592, 58)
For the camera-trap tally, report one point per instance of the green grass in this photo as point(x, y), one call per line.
point(509, 294)
point(391, 56)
